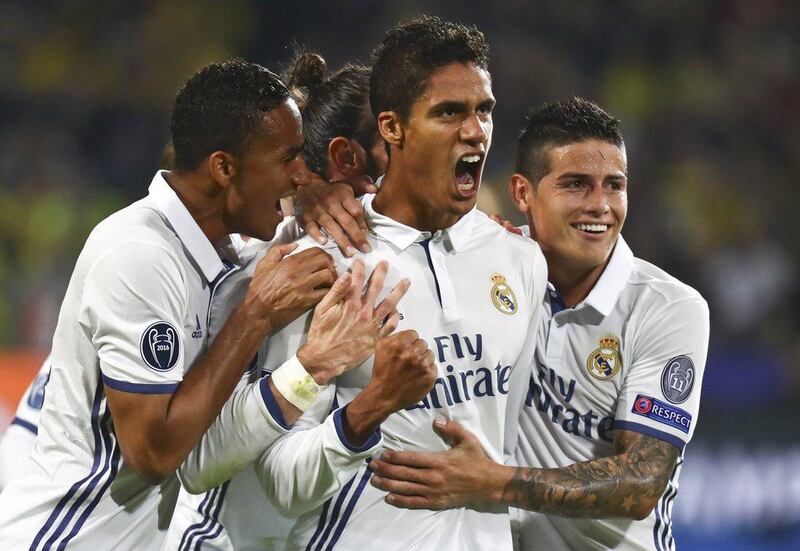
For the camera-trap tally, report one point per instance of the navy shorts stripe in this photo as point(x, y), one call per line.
point(204, 509)
point(334, 515)
point(215, 529)
point(349, 510)
point(114, 460)
point(320, 523)
point(98, 398)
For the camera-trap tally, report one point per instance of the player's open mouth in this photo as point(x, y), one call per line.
point(468, 174)
point(278, 202)
point(593, 229)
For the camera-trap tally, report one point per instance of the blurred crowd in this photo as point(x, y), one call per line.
point(708, 92)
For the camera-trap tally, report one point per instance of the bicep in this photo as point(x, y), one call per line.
point(138, 421)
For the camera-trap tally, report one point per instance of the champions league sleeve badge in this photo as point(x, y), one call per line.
point(503, 297)
point(605, 362)
point(160, 346)
point(677, 379)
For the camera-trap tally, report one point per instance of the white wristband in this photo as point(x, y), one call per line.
point(295, 384)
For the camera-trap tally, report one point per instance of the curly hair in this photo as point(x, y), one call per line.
point(557, 124)
point(411, 52)
point(220, 108)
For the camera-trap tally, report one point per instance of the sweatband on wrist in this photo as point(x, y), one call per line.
point(295, 384)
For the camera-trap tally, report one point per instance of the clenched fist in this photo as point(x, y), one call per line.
point(402, 374)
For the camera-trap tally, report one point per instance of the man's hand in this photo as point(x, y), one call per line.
point(332, 207)
point(402, 374)
point(506, 224)
point(284, 287)
point(439, 480)
point(346, 323)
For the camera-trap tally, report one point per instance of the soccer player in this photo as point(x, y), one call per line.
point(134, 382)
point(475, 292)
point(619, 363)
point(236, 515)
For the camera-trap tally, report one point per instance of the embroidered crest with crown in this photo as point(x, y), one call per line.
point(503, 297)
point(605, 362)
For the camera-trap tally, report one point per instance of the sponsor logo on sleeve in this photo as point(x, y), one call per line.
point(503, 296)
point(677, 379)
point(160, 346)
point(662, 412)
point(605, 362)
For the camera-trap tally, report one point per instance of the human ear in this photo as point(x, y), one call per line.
point(391, 128)
point(343, 158)
point(223, 167)
point(520, 189)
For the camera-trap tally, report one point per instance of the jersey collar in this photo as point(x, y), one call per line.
point(612, 281)
point(190, 234)
point(401, 236)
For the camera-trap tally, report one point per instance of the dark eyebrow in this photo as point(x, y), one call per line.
point(293, 150)
point(448, 105)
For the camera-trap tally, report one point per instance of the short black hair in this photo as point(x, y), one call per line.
point(219, 109)
point(411, 52)
point(332, 105)
point(557, 124)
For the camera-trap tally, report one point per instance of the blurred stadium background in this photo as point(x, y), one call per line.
point(709, 96)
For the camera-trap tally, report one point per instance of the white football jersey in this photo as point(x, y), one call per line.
point(135, 318)
point(630, 356)
point(17, 442)
point(474, 296)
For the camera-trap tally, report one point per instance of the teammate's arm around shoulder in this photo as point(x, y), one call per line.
point(159, 422)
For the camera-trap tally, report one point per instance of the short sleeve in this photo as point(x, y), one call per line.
point(133, 304)
point(660, 395)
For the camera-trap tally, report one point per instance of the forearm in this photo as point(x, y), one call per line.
point(606, 487)
point(364, 416)
point(247, 425)
point(306, 467)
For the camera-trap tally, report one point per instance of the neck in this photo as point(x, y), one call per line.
point(573, 285)
point(202, 198)
point(397, 200)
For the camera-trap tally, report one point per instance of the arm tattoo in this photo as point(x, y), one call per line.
point(625, 485)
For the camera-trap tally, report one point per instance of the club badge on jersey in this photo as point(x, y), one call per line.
point(677, 379)
point(605, 362)
point(160, 346)
point(503, 296)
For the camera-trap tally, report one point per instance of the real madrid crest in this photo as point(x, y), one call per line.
point(503, 297)
point(605, 362)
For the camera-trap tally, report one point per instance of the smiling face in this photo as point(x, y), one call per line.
point(443, 145)
point(269, 169)
point(576, 211)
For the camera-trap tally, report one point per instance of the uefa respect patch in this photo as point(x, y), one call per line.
point(160, 346)
point(665, 413)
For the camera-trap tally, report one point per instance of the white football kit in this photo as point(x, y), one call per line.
point(630, 357)
point(17, 442)
point(135, 318)
point(474, 296)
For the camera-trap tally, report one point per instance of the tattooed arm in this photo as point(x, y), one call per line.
point(627, 484)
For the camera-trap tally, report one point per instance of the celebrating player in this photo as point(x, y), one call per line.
point(134, 384)
point(236, 514)
point(475, 292)
point(619, 363)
